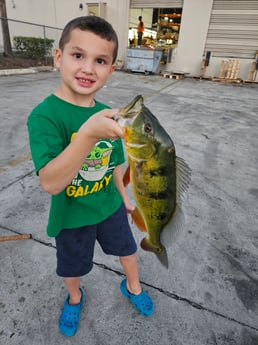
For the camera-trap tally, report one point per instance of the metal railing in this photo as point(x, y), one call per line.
point(23, 28)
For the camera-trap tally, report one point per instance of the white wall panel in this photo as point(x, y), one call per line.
point(156, 4)
point(233, 29)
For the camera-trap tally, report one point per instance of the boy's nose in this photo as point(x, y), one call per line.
point(87, 67)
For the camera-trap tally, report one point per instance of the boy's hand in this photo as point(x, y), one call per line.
point(129, 206)
point(129, 209)
point(102, 125)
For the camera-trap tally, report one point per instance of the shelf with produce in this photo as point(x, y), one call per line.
point(168, 25)
point(169, 21)
point(173, 15)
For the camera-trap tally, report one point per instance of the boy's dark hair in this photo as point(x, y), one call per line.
point(94, 24)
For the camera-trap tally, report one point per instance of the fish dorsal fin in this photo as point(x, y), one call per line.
point(172, 228)
point(183, 177)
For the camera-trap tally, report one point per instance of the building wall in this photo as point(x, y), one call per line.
point(56, 13)
point(118, 16)
point(186, 58)
point(48, 12)
point(192, 39)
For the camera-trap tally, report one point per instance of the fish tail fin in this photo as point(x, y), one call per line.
point(161, 254)
point(163, 258)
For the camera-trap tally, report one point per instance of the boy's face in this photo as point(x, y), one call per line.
point(85, 64)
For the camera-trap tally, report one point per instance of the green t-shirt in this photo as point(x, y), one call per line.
point(91, 197)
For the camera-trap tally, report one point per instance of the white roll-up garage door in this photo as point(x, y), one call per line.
point(233, 29)
point(156, 4)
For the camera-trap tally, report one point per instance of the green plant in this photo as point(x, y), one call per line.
point(33, 47)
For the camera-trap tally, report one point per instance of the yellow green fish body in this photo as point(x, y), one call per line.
point(152, 173)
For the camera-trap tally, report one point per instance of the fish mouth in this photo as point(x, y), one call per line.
point(135, 145)
point(128, 113)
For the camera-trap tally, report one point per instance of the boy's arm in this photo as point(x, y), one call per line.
point(60, 171)
point(118, 180)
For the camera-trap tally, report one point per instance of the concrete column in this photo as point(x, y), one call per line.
point(118, 16)
point(193, 31)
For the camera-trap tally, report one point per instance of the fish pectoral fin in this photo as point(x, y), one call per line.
point(126, 178)
point(138, 220)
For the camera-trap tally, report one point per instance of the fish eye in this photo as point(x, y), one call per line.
point(147, 128)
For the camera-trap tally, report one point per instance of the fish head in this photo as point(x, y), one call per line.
point(144, 135)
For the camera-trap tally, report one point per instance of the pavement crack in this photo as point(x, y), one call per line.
point(19, 179)
point(200, 307)
point(169, 294)
point(182, 299)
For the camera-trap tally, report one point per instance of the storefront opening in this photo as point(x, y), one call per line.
point(161, 30)
point(161, 26)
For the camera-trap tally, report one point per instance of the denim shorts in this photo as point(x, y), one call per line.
point(75, 247)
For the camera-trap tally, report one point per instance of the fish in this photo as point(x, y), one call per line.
point(158, 177)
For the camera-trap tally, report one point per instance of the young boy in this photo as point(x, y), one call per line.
point(77, 151)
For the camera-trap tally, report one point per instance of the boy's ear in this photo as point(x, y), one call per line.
point(113, 67)
point(57, 57)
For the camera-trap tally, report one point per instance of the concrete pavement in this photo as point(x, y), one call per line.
point(209, 294)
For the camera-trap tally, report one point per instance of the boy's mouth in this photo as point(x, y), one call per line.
point(85, 81)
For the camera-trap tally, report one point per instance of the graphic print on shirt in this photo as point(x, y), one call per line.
point(96, 163)
point(94, 168)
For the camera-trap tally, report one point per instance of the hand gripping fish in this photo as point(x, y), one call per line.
point(157, 175)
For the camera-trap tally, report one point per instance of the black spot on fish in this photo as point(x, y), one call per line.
point(160, 216)
point(161, 171)
point(164, 194)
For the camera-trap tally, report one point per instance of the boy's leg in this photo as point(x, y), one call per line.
point(75, 249)
point(130, 266)
point(70, 315)
point(115, 237)
point(131, 288)
point(73, 288)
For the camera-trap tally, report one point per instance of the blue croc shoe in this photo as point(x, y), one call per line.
point(142, 302)
point(70, 317)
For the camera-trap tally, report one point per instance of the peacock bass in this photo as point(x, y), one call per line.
point(157, 175)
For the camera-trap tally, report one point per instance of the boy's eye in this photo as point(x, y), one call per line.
point(77, 55)
point(101, 61)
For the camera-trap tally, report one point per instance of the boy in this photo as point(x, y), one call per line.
point(77, 151)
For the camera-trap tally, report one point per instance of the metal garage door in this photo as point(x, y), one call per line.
point(156, 4)
point(233, 29)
